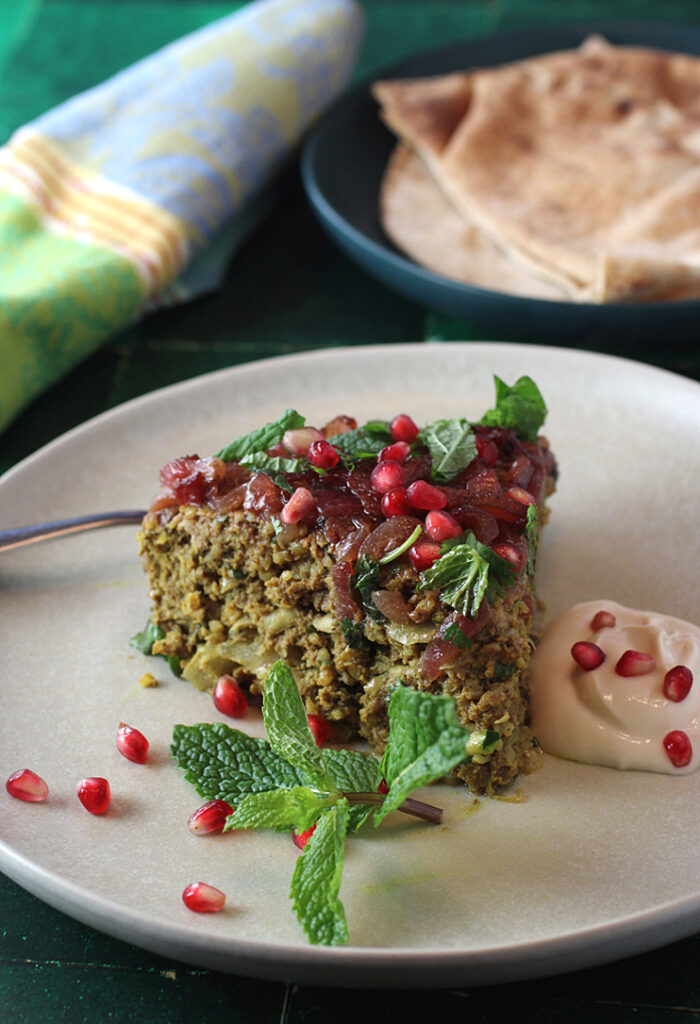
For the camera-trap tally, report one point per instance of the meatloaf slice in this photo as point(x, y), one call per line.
point(248, 565)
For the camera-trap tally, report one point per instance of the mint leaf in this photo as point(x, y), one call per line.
point(425, 742)
point(363, 442)
point(274, 467)
point(263, 438)
point(365, 580)
point(354, 772)
point(280, 808)
point(225, 764)
point(288, 730)
point(316, 880)
point(452, 446)
point(467, 572)
point(520, 408)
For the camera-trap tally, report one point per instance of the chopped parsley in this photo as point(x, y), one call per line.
point(354, 634)
point(457, 637)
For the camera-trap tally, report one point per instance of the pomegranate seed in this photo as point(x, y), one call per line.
point(203, 898)
point(210, 817)
point(603, 620)
point(383, 787)
point(132, 743)
point(27, 785)
point(587, 655)
point(441, 526)
point(521, 495)
point(94, 794)
point(488, 452)
point(423, 495)
point(395, 503)
point(319, 728)
point(677, 683)
point(678, 747)
point(229, 698)
point(635, 663)
point(322, 455)
point(300, 839)
point(297, 441)
point(520, 471)
point(300, 503)
point(402, 428)
point(397, 452)
point(386, 476)
point(423, 553)
point(512, 553)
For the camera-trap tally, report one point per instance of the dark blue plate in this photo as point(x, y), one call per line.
point(342, 167)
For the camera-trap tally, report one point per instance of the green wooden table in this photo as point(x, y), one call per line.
point(52, 968)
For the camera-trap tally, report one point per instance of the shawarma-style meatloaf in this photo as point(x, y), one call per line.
point(363, 557)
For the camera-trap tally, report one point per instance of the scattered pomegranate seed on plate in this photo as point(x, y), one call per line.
point(319, 728)
point(203, 898)
point(210, 817)
point(587, 655)
point(229, 698)
point(94, 794)
point(300, 839)
point(679, 748)
point(132, 744)
point(677, 683)
point(635, 663)
point(27, 785)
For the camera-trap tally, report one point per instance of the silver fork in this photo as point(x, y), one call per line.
point(18, 536)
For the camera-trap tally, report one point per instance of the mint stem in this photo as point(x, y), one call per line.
point(428, 812)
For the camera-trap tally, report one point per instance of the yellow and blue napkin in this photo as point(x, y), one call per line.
point(133, 193)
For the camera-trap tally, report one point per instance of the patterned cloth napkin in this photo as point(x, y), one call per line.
point(135, 193)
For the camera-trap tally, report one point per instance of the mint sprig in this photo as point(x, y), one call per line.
point(520, 408)
point(263, 438)
point(274, 467)
point(363, 442)
point(283, 783)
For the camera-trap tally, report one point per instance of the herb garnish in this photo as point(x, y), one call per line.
point(265, 437)
point(274, 467)
point(354, 634)
point(520, 408)
point(363, 442)
point(145, 640)
point(452, 446)
point(457, 637)
point(288, 782)
point(365, 580)
point(466, 572)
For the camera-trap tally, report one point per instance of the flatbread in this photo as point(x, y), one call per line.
point(421, 222)
point(581, 165)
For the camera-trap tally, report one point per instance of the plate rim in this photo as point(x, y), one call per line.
point(361, 966)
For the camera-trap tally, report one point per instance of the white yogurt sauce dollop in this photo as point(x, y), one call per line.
point(600, 717)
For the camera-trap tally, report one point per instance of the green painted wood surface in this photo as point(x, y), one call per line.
point(287, 290)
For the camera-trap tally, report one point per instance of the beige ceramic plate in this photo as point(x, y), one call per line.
point(591, 865)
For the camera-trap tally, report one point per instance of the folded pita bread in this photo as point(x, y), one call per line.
point(581, 167)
